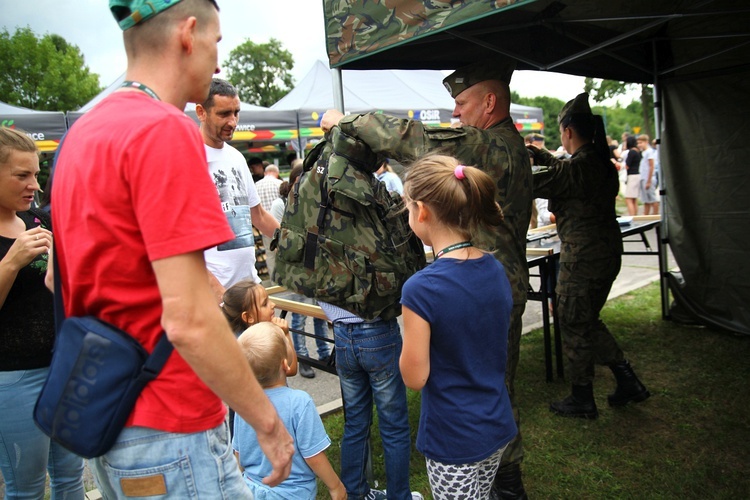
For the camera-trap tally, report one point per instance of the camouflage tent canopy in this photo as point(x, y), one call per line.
point(695, 52)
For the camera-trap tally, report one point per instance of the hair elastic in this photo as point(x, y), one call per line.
point(459, 172)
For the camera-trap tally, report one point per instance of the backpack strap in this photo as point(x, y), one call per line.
point(323, 157)
point(311, 243)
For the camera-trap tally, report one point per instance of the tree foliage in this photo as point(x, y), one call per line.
point(617, 119)
point(46, 74)
point(601, 90)
point(261, 73)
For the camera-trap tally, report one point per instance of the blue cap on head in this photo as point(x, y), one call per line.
point(128, 13)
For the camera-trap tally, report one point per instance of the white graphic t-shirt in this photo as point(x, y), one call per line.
point(233, 260)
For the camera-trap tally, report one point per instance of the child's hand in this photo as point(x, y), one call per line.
point(290, 352)
point(281, 323)
point(339, 492)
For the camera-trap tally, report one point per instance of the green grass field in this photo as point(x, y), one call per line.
point(691, 439)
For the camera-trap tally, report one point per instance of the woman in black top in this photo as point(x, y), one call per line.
point(27, 331)
point(633, 187)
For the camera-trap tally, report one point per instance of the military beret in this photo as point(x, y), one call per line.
point(128, 13)
point(577, 106)
point(463, 78)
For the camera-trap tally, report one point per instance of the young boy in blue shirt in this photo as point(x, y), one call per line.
point(267, 349)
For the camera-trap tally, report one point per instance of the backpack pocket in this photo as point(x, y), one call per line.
point(348, 280)
point(291, 245)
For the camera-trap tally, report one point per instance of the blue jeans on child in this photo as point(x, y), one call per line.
point(149, 462)
point(26, 453)
point(367, 357)
point(320, 327)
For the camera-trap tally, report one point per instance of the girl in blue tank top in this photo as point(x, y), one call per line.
point(456, 315)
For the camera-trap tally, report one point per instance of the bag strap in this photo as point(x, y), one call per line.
point(59, 309)
point(58, 304)
point(158, 357)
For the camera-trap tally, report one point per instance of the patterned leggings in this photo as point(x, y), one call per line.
point(463, 481)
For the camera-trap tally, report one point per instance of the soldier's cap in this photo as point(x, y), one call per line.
point(128, 13)
point(577, 106)
point(537, 137)
point(463, 78)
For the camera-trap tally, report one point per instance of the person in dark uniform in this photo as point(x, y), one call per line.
point(581, 192)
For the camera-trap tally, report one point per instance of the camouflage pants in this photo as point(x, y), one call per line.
point(582, 290)
point(514, 452)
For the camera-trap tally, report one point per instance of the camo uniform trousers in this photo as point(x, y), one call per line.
point(582, 290)
point(514, 451)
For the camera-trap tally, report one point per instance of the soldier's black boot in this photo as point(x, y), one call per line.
point(629, 388)
point(508, 483)
point(580, 403)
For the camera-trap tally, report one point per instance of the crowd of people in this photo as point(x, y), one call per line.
point(164, 243)
point(638, 165)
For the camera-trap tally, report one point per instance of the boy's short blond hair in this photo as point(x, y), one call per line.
point(265, 347)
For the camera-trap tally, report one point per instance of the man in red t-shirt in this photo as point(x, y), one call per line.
point(134, 210)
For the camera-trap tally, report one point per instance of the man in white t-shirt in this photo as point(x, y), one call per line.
point(648, 176)
point(234, 260)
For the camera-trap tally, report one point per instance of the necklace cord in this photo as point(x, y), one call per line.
point(451, 248)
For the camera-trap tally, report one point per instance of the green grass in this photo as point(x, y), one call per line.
point(691, 439)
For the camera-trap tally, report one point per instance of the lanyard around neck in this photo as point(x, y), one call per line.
point(141, 87)
point(453, 247)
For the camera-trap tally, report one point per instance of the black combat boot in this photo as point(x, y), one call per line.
point(629, 388)
point(580, 404)
point(508, 483)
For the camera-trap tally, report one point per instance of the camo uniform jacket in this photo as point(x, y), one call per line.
point(582, 193)
point(498, 150)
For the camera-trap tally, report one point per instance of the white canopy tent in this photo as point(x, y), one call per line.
point(417, 94)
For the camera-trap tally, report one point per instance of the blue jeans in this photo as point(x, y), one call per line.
point(26, 453)
point(367, 363)
point(158, 464)
point(320, 327)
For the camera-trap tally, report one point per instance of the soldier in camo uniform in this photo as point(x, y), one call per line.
point(488, 139)
point(582, 193)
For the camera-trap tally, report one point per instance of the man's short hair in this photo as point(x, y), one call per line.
point(149, 33)
point(272, 168)
point(644, 137)
point(254, 160)
point(219, 87)
point(129, 13)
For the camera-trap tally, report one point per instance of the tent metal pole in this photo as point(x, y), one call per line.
point(663, 233)
point(338, 89)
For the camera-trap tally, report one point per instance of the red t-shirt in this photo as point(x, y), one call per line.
point(132, 186)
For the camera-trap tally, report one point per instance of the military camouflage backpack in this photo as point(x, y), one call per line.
point(344, 239)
